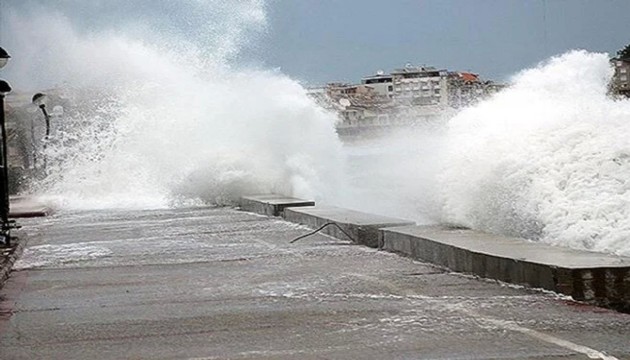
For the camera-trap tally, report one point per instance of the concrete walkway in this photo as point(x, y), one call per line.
point(224, 284)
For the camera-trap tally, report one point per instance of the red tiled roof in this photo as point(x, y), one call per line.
point(468, 76)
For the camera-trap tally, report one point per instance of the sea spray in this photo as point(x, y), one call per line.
point(395, 174)
point(162, 113)
point(546, 159)
point(176, 119)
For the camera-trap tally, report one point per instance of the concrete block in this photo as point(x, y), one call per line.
point(596, 278)
point(363, 228)
point(26, 207)
point(271, 204)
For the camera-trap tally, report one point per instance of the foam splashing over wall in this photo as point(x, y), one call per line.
point(164, 115)
point(548, 158)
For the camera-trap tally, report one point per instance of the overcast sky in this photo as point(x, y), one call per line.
point(319, 41)
point(325, 40)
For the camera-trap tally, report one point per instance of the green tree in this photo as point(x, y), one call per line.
point(624, 53)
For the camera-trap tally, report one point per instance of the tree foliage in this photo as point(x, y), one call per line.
point(624, 53)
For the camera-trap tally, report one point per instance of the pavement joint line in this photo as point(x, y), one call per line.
point(504, 324)
point(480, 319)
point(510, 325)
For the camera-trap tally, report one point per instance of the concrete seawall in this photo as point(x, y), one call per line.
point(356, 226)
point(596, 278)
point(271, 204)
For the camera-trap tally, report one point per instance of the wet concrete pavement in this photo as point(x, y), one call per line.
point(224, 284)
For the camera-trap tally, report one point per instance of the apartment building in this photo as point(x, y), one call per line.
point(404, 96)
point(419, 86)
point(621, 79)
point(465, 89)
point(383, 84)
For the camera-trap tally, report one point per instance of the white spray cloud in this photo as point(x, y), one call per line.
point(548, 158)
point(170, 123)
point(175, 120)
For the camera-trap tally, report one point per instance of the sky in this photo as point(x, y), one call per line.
point(320, 41)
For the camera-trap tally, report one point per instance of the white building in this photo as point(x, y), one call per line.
point(381, 83)
point(407, 96)
point(621, 79)
point(420, 86)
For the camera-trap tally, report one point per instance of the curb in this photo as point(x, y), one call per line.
point(271, 204)
point(363, 228)
point(7, 260)
point(595, 278)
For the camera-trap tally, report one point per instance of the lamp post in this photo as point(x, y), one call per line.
point(6, 226)
point(40, 100)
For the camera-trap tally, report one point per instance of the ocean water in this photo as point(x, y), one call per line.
point(164, 112)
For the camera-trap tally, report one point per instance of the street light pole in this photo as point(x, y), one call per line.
point(6, 225)
point(4, 176)
point(40, 100)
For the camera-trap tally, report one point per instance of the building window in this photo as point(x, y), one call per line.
point(623, 70)
point(390, 88)
point(624, 78)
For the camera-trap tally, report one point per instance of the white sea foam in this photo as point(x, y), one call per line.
point(173, 119)
point(59, 255)
point(164, 114)
point(548, 158)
